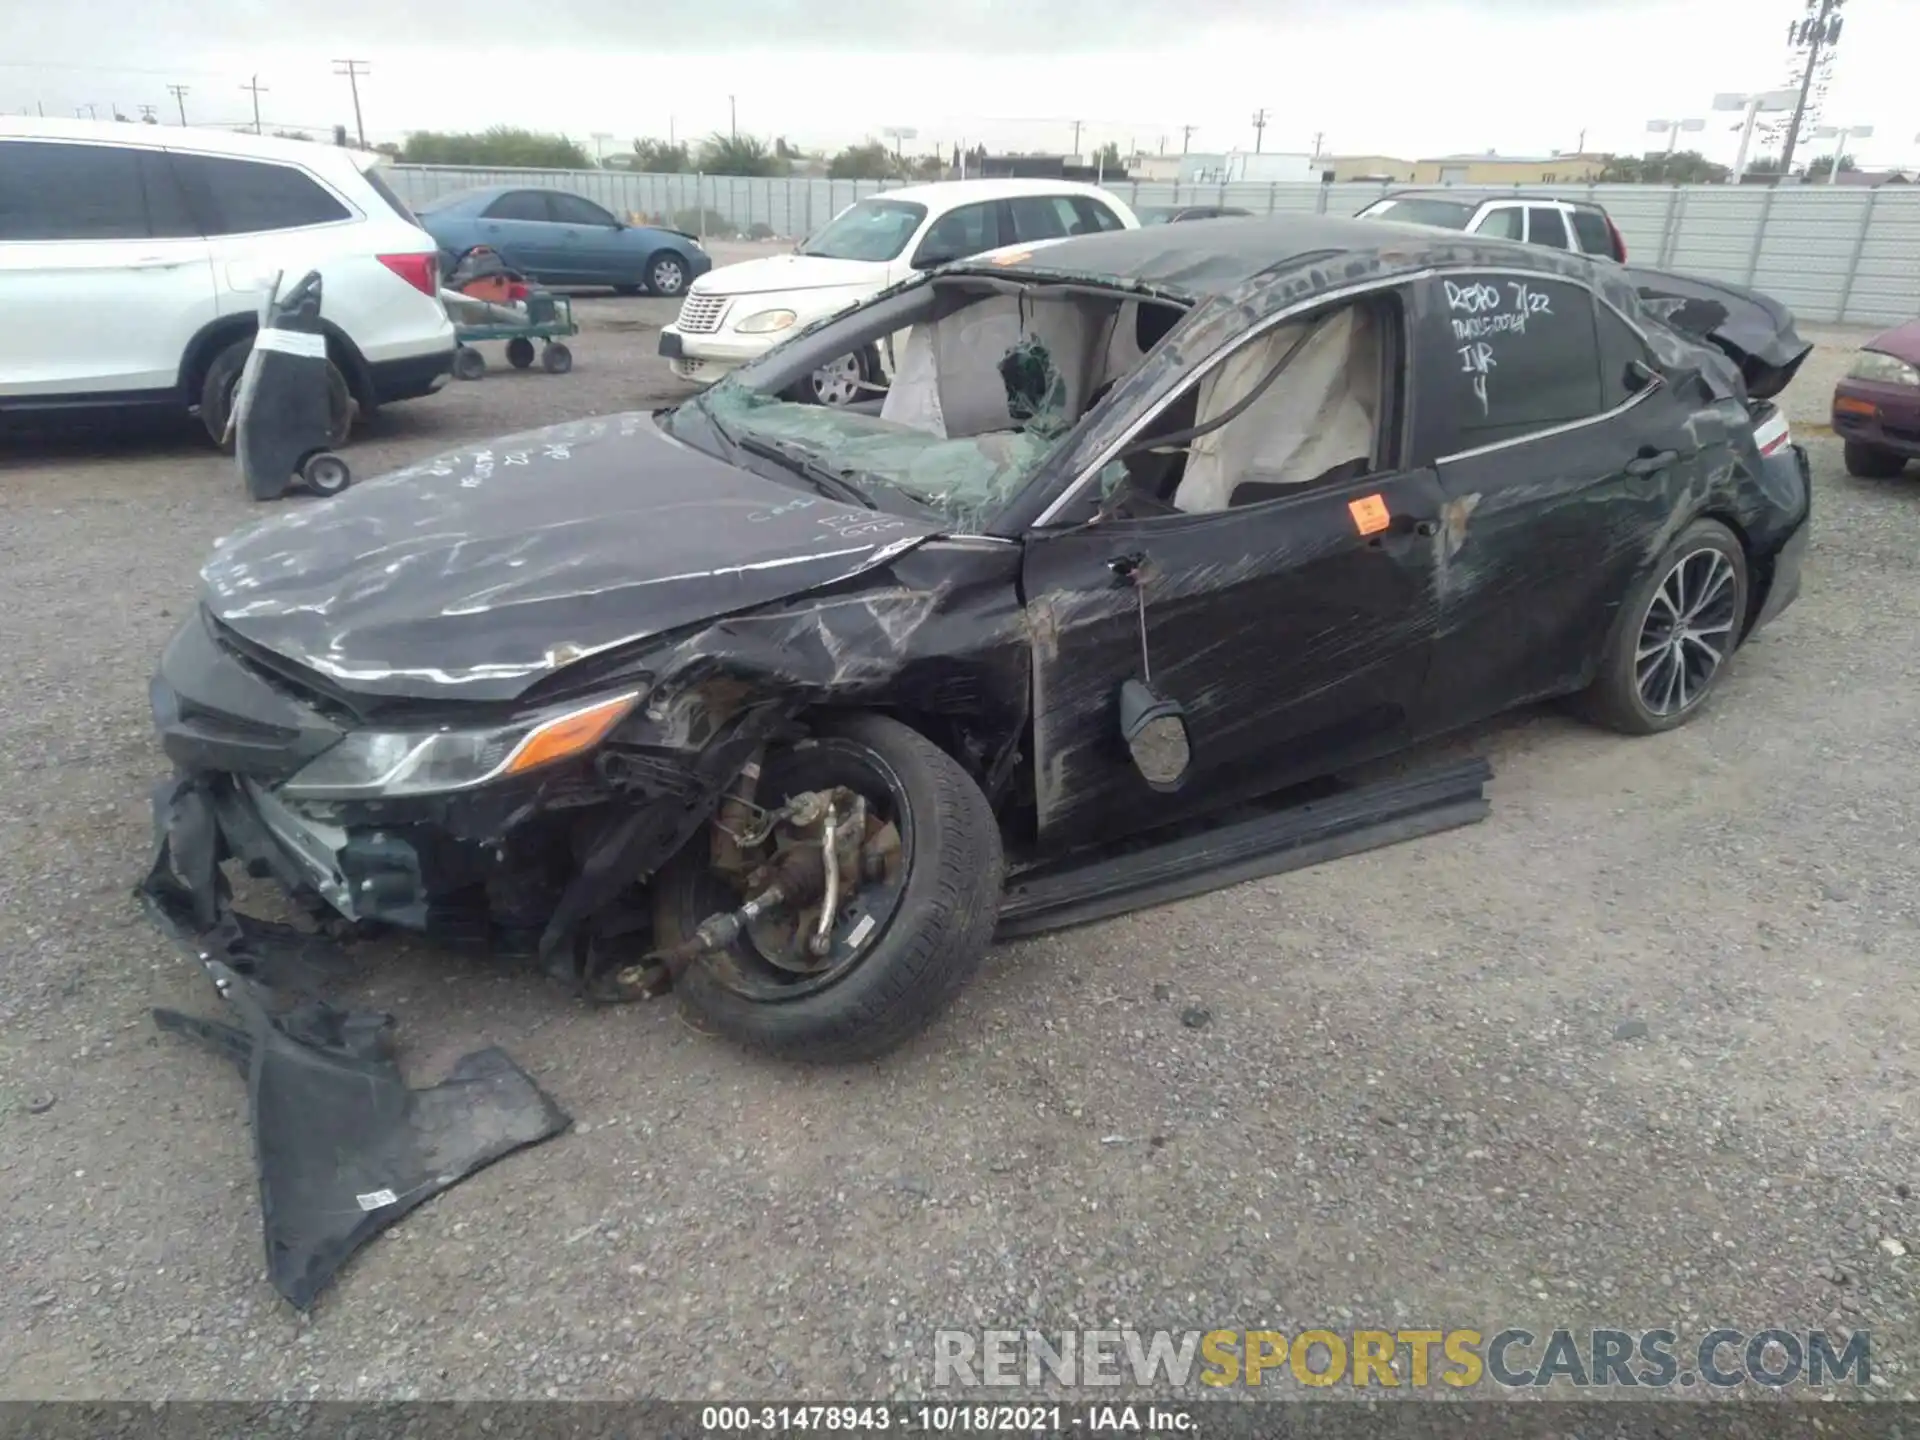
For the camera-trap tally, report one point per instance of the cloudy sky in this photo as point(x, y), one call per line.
point(1398, 77)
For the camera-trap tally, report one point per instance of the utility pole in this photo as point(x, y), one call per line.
point(91, 112)
point(258, 90)
point(353, 70)
point(733, 119)
point(1186, 134)
point(1821, 28)
point(1259, 128)
point(180, 99)
point(1319, 139)
point(1076, 138)
point(147, 115)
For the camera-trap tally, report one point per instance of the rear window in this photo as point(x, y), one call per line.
point(385, 192)
point(1416, 210)
point(245, 197)
point(51, 191)
point(1591, 227)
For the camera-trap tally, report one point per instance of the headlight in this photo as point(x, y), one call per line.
point(381, 764)
point(1887, 369)
point(765, 322)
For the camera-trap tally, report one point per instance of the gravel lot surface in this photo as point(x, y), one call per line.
point(1637, 1051)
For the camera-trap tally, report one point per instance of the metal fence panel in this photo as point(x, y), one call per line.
point(1837, 253)
point(1886, 282)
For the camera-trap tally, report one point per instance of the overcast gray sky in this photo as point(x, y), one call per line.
point(1400, 77)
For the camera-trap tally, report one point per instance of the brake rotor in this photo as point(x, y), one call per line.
point(781, 939)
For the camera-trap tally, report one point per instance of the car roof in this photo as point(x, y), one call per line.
point(203, 140)
point(943, 194)
point(1478, 195)
point(1205, 258)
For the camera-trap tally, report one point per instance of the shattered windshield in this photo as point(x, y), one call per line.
point(963, 480)
point(988, 378)
point(868, 230)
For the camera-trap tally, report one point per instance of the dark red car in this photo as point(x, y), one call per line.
point(1876, 405)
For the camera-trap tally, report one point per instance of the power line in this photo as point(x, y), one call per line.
point(258, 90)
point(353, 70)
point(180, 99)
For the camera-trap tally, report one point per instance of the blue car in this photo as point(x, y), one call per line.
point(562, 239)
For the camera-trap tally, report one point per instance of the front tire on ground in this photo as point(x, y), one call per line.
point(1870, 463)
point(927, 947)
point(1675, 635)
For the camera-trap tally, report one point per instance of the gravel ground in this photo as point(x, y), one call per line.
point(1636, 1051)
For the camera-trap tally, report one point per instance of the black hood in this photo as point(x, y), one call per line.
point(477, 574)
point(1754, 330)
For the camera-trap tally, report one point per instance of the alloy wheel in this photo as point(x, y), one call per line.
point(1687, 632)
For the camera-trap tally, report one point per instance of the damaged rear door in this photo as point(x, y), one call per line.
point(1289, 611)
point(1564, 456)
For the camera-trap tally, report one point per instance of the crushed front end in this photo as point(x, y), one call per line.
point(507, 825)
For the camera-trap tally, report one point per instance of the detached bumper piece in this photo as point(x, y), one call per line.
point(342, 1146)
point(1293, 837)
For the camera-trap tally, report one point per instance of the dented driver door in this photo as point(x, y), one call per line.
point(1294, 632)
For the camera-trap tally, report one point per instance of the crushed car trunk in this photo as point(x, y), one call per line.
point(1755, 331)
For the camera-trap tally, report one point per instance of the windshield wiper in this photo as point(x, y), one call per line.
point(803, 462)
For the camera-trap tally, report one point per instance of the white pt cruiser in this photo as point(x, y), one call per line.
point(737, 313)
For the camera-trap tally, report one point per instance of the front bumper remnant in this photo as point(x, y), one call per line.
point(342, 1147)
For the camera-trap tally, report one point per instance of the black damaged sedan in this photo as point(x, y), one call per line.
point(777, 706)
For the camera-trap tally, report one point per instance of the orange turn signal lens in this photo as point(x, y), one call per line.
point(1847, 405)
point(568, 735)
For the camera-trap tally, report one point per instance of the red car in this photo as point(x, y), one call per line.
point(1876, 405)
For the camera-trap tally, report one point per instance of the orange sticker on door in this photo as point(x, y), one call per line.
point(1369, 514)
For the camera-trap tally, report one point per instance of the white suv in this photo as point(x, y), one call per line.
point(738, 312)
point(134, 258)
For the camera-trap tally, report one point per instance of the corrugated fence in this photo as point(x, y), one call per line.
point(1834, 254)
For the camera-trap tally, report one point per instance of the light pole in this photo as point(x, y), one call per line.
point(1672, 128)
point(1753, 106)
point(600, 138)
point(1840, 134)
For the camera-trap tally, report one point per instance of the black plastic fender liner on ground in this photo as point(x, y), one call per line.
point(343, 1148)
point(1290, 838)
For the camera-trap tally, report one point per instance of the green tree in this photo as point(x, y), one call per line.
point(1107, 158)
point(292, 135)
point(739, 155)
point(1765, 165)
point(1821, 166)
point(930, 167)
point(502, 145)
point(1683, 167)
point(871, 161)
point(659, 157)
